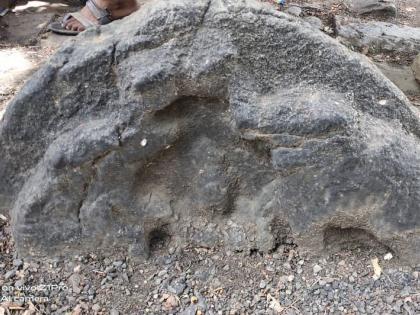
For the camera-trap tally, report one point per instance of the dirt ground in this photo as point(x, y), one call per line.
point(353, 278)
point(25, 43)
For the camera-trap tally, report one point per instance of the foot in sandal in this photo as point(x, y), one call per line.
point(95, 12)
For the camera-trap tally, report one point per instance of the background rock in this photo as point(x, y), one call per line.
point(372, 6)
point(416, 68)
point(314, 22)
point(401, 76)
point(209, 122)
point(294, 10)
point(378, 36)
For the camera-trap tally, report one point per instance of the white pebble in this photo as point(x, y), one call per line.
point(317, 268)
point(388, 256)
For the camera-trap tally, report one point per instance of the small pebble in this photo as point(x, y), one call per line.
point(317, 269)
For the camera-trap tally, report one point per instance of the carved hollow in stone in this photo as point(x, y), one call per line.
point(209, 122)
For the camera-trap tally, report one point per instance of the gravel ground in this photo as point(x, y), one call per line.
point(209, 281)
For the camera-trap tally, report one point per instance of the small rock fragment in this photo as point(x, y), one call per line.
point(96, 308)
point(10, 274)
point(317, 269)
point(170, 302)
point(74, 282)
point(275, 304)
point(117, 264)
point(17, 262)
point(388, 256)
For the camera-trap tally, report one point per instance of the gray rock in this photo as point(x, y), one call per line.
point(401, 76)
point(96, 308)
point(372, 6)
point(17, 262)
point(416, 68)
point(117, 264)
point(378, 36)
point(74, 282)
point(293, 10)
point(177, 286)
point(317, 269)
point(314, 22)
point(10, 274)
point(252, 120)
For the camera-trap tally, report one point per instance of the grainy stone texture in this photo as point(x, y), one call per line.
point(416, 68)
point(296, 11)
point(378, 36)
point(402, 76)
point(372, 6)
point(209, 122)
point(314, 22)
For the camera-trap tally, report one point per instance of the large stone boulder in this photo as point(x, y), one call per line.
point(377, 36)
point(209, 122)
point(360, 7)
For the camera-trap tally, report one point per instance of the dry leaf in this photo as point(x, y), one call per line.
point(274, 304)
point(16, 308)
point(377, 270)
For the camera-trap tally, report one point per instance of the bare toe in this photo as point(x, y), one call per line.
point(75, 26)
point(68, 25)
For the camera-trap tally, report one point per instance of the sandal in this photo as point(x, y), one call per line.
point(103, 16)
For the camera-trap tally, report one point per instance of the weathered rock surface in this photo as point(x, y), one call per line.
point(314, 22)
point(210, 122)
point(372, 6)
point(401, 76)
point(378, 36)
point(416, 68)
point(294, 10)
